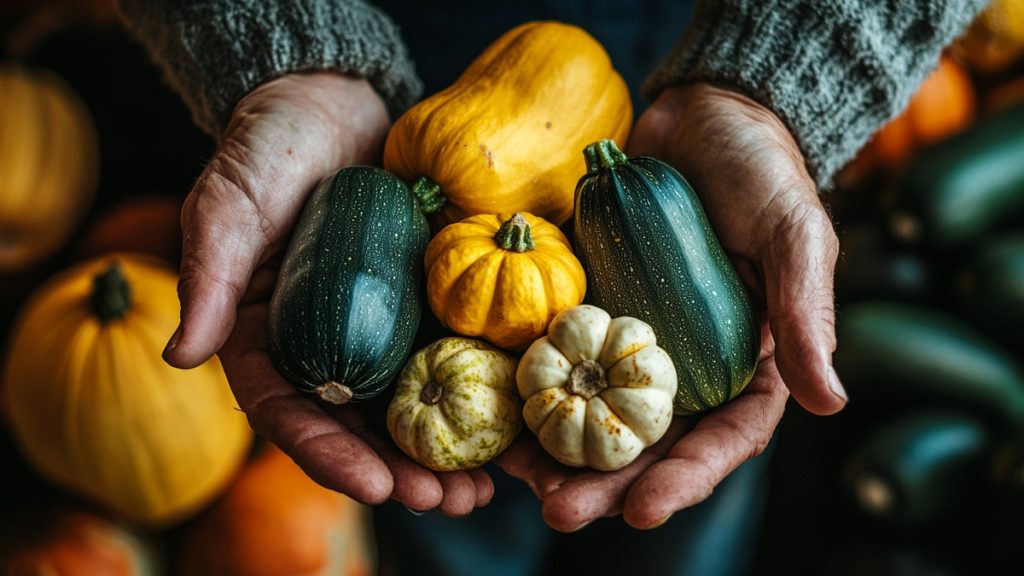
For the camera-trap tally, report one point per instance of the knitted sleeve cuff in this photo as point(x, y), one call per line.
point(215, 51)
point(833, 71)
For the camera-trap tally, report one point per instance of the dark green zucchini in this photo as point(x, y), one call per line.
point(891, 354)
point(347, 302)
point(990, 286)
point(920, 467)
point(650, 253)
point(963, 187)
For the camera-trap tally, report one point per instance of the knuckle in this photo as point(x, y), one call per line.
point(226, 200)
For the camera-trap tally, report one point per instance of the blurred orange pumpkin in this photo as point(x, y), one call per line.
point(67, 541)
point(147, 224)
point(275, 521)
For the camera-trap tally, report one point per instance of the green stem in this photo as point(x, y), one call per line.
point(603, 154)
point(514, 234)
point(111, 294)
point(428, 194)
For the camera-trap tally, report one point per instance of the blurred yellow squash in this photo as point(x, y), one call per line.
point(96, 410)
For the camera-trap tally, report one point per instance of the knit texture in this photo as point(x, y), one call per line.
point(215, 51)
point(833, 70)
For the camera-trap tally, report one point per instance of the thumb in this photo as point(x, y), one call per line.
point(283, 138)
point(225, 233)
point(798, 266)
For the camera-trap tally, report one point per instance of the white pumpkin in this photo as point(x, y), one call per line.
point(455, 405)
point(598, 390)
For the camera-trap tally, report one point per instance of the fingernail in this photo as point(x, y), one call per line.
point(580, 527)
point(415, 512)
point(659, 522)
point(173, 342)
point(836, 386)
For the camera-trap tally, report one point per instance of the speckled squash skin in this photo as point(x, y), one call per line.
point(347, 302)
point(598, 389)
point(650, 253)
point(455, 405)
point(504, 137)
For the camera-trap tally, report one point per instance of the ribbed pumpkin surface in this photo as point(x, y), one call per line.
point(505, 136)
point(95, 409)
point(48, 165)
point(650, 253)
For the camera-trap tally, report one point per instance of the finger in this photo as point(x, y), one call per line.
point(798, 264)
point(331, 455)
point(459, 493)
point(527, 461)
point(718, 444)
point(587, 496)
point(484, 486)
point(414, 486)
point(226, 231)
point(328, 452)
point(283, 137)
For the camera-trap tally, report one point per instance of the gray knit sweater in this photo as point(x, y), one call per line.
point(833, 70)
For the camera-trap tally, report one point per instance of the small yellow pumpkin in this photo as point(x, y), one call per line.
point(49, 165)
point(502, 279)
point(598, 389)
point(506, 136)
point(455, 405)
point(96, 410)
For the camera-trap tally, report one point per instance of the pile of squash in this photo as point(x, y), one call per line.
point(476, 182)
point(555, 265)
point(581, 294)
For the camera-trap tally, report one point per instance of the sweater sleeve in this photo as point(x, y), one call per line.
point(213, 52)
point(834, 71)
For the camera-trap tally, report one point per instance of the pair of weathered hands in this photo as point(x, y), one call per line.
point(289, 133)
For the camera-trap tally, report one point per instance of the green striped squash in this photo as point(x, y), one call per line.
point(347, 301)
point(893, 354)
point(649, 252)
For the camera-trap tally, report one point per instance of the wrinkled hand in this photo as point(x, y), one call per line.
point(283, 138)
point(763, 205)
